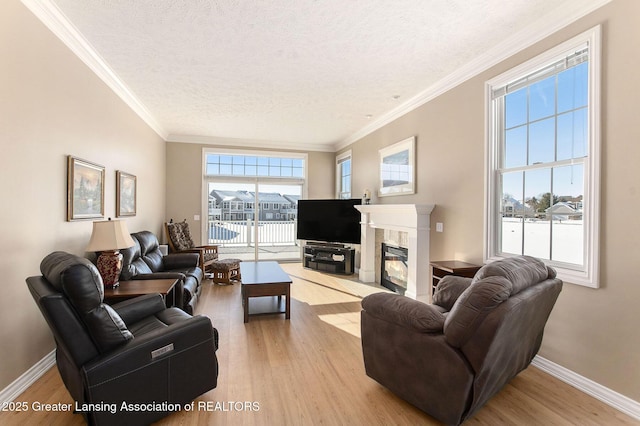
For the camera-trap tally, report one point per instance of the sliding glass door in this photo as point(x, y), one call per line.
point(251, 204)
point(254, 221)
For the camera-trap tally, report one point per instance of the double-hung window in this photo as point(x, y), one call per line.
point(543, 160)
point(343, 175)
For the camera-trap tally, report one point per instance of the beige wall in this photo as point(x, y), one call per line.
point(184, 180)
point(51, 106)
point(595, 333)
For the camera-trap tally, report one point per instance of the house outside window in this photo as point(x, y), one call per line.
point(343, 175)
point(543, 160)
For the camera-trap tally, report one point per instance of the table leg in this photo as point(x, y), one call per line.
point(287, 314)
point(245, 304)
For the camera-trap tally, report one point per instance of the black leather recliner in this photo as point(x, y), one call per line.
point(144, 261)
point(135, 352)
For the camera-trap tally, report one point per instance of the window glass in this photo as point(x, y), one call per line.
point(241, 165)
point(343, 175)
point(516, 108)
point(542, 141)
point(572, 135)
point(542, 99)
point(572, 88)
point(512, 212)
point(516, 147)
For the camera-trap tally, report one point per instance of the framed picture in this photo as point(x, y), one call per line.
point(85, 189)
point(125, 194)
point(397, 168)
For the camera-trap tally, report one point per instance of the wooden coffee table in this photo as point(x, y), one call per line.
point(264, 279)
point(134, 288)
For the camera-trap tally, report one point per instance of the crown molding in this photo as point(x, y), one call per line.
point(249, 143)
point(57, 22)
point(53, 18)
point(570, 11)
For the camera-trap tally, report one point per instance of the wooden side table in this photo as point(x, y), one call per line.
point(134, 288)
point(442, 268)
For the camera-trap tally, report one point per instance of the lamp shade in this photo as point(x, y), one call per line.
point(110, 235)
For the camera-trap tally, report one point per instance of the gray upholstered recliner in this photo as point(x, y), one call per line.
point(135, 352)
point(451, 357)
point(144, 261)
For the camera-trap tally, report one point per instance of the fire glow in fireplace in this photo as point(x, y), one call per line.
point(394, 270)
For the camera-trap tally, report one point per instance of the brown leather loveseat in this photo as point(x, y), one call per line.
point(451, 357)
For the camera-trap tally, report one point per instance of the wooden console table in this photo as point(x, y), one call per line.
point(442, 268)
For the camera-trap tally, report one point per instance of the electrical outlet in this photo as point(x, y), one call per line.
point(196, 217)
point(439, 227)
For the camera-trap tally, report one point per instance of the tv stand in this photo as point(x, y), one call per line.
point(333, 258)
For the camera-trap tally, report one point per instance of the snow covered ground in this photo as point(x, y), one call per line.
point(568, 236)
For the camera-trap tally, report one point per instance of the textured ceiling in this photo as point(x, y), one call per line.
point(292, 72)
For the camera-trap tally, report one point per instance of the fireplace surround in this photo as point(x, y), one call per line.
point(414, 219)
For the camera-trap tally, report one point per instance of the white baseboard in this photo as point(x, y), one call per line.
point(588, 386)
point(21, 384)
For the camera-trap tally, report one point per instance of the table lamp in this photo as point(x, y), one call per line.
point(108, 237)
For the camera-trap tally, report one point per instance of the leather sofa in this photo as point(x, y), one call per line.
point(134, 352)
point(449, 358)
point(144, 261)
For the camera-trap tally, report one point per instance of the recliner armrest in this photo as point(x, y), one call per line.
point(133, 310)
point(181, 260)
point(405, 312)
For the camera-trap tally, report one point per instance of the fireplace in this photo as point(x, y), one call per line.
point(411, 218)
point(394, 270)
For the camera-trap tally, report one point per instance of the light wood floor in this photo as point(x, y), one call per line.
point(309, 371)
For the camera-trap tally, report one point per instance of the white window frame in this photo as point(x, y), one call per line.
point(341, 158)
point(206, 179)
point(589, 275)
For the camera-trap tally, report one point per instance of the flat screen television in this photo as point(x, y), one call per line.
point(332, 221)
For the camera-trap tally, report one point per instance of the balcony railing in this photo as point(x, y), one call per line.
point(238, 233)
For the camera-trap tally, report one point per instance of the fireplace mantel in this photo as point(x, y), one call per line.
point(411, 218)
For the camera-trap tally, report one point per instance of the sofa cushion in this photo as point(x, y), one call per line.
point(521, 271)
point(149, 249)
point(449, 289)
point(472, 307)
point(55, 264)
point(132, 262)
